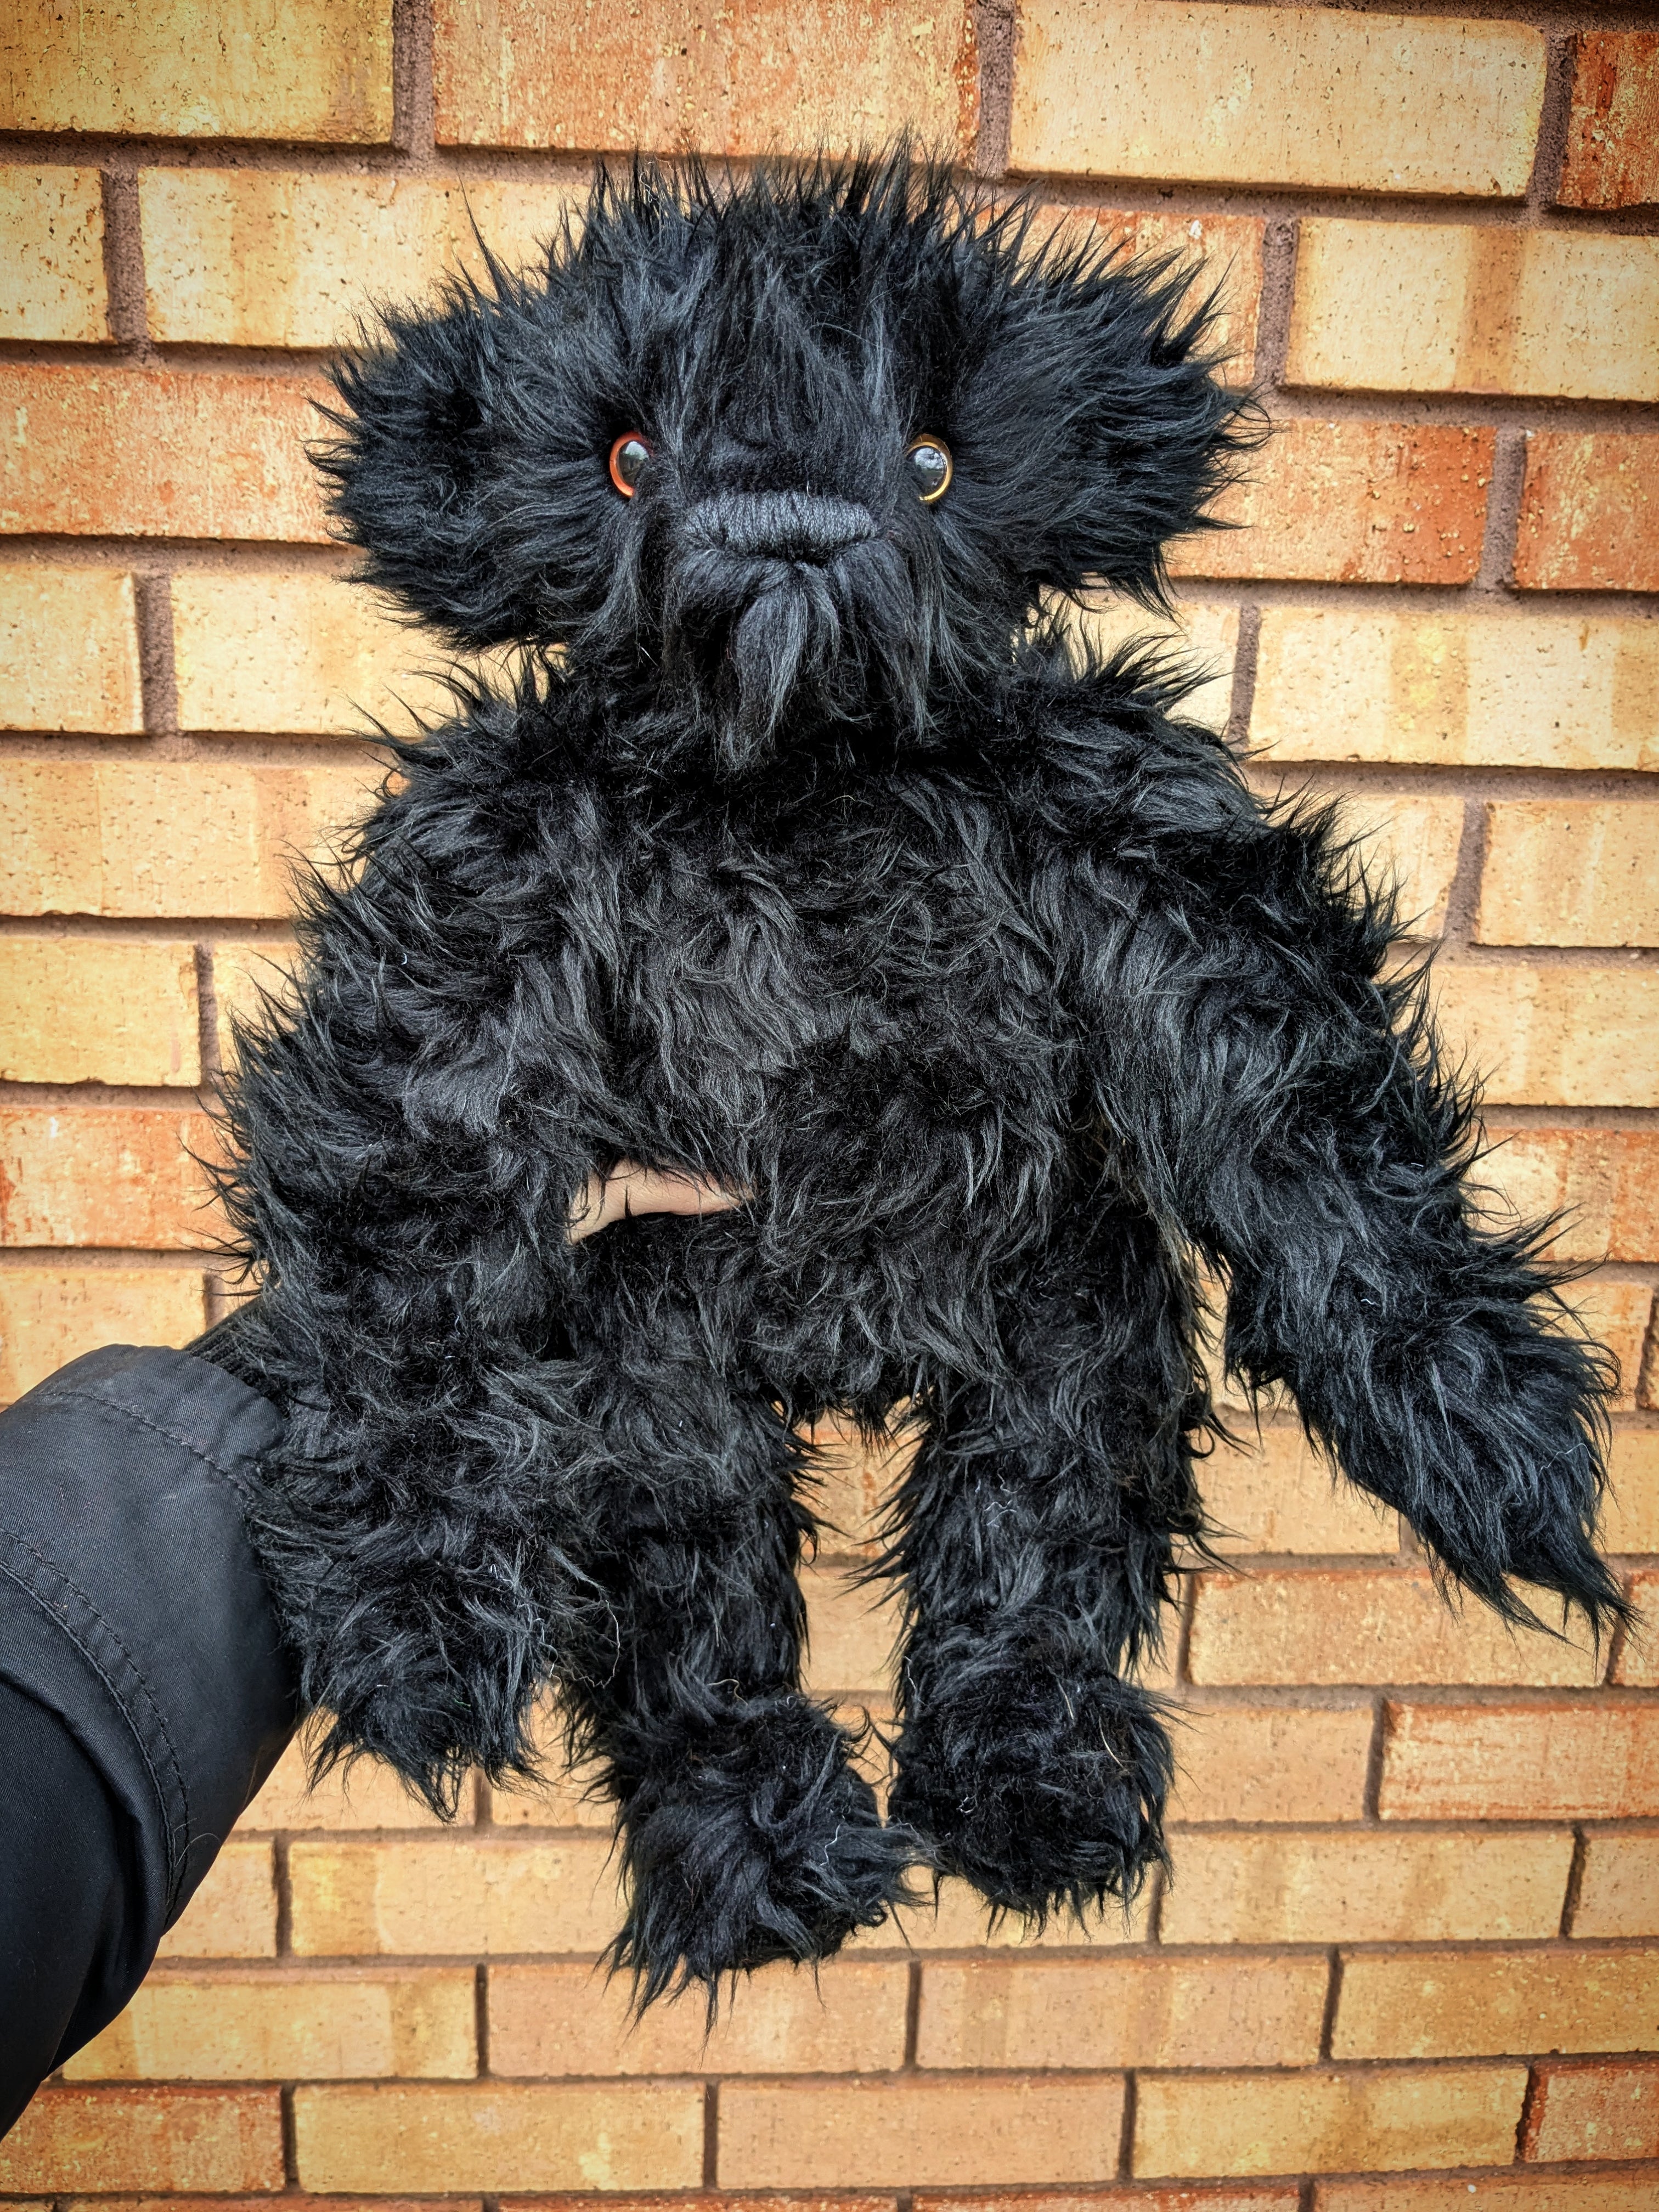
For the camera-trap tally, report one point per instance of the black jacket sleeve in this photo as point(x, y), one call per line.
point(144, 1694)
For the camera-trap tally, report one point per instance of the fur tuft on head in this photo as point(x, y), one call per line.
point(779, 340)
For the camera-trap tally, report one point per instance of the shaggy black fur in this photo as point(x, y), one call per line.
point(814, 864)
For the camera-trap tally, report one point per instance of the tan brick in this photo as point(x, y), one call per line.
point(1092, 2013)
point(454, 1895)
point(123, 1177)
point(1569, 871)
point(961, 1922)
point(201, 69)
point(784, 76)
point(1630, 1513)
point(1553, 1036)
point(849, 2018)
point(296, 2025)
point(1568, 1761)
point(68, 651)
point(1326, 2121)
point(161, 838)
point(1594, 2112)
point(1637, 1666)
point(154, 453)
point(1606, 1182)
point(1471, 2004)
point(1408, 306)
point(1205, 637)
point(97, 1010)
point(1612, 131)
point(1520, 2192)
point(245, 978)
point(52, 240)
point(496, 2136)
point(851, 1631)
point(1242, 2199)
point(146, 2139)
point(985, 2131)
point(1457, 691)
point(1365, 1625)
point(852, 1482)
point(1271, 1762)
point(1617, 1315)
point(1589, 513)
point(1398, 105)
point(371, 1795)
point(1364, 1887)
point(1227, 248)
point(234, 1913)
point(49, 1315)
point(1618, 1885)
point(1352, 503)
point(1281, 1496)
point(298, 654)
point(565, 1797)
point(278, 258)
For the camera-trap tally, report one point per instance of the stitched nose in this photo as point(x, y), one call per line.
point(783, 526)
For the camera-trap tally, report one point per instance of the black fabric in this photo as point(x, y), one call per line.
point(149, 1693)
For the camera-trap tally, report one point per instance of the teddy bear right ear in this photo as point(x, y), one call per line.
point(411, 470)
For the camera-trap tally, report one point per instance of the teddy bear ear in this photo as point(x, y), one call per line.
point(414, 461)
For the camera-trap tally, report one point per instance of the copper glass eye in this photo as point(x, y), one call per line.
point(627, 459)
point(930, 468)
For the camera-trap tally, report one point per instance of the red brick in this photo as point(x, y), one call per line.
point(1275, 96)
point(1271, 2199)
point(1594, 2112)
point(1570, 1760)
point(1457, 2004)
point(1216, 2011)
point(1363, 1625)
point(782, 77)
point(1227, 248)
point(1605, 1181)
point(1365, 1886)
point(1271, 1762)
point(201, 69)
point(498, 2134)
point(1589, 513)
point(121, 1176)
point(1354, 502)
point(1612, 131)
point(1618, 1885)
point(982, 2131)
point(561, 2019)
point(1519, 2190)
point(1327, 2120)
point(157, 453)
point(1636, 1667)
point(149, 2139)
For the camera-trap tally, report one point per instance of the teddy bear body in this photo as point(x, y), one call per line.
point(816, 866)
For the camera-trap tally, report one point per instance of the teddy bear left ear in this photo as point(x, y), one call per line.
point(416, 457)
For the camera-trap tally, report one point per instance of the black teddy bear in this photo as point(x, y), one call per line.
point(808, 859)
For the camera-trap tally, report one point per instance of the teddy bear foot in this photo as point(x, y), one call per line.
point(749, 1837)
point(1038, 1776)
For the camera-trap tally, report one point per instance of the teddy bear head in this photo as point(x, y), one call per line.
point(790, 449)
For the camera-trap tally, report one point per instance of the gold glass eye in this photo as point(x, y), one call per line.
point(930, 468)
point(627, 459)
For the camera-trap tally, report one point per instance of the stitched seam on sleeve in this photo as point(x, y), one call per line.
point(174, 1851)
point(238, 1482)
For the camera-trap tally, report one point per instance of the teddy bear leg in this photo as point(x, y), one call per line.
point(747, 1834)
point(1036, 1533)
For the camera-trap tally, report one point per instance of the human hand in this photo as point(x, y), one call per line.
point(629, 1189)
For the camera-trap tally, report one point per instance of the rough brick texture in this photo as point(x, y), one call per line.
point(1094, 94)
point(1403, 1958)
point(200, 68)
point(1613, 132)
point(793, 77)
point(1589, 513)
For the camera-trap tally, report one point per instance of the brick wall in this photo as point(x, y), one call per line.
point(1417, 1858)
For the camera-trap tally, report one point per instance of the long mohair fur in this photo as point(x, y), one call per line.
point(804, 854)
